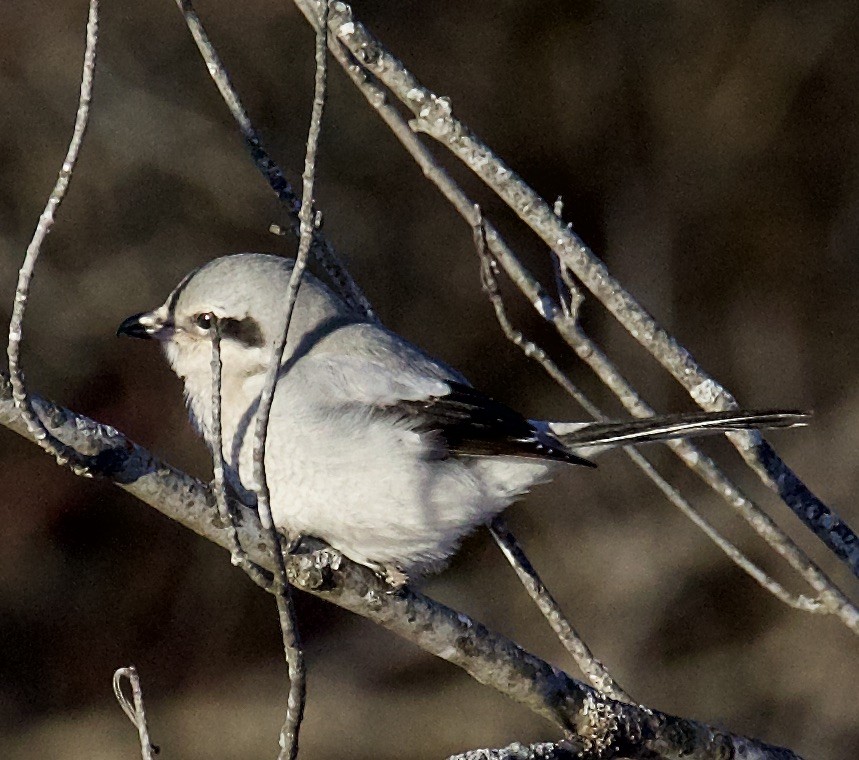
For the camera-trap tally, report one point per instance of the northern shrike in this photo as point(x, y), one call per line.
point(389, 455)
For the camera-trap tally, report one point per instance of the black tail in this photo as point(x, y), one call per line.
point(687, 425)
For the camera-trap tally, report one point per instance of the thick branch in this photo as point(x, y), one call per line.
point(578, 750)
point(619, 730)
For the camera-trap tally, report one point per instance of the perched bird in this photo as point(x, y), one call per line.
point(389, 455)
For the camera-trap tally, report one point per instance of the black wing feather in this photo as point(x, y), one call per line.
point(474, 424)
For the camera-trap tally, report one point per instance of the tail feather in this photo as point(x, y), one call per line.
point(661, 428)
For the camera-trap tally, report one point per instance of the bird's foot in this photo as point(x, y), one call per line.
point(315, 570)
point(396, 579)
point(391, 575)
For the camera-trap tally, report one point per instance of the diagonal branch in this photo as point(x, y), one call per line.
point(324, 252)
point(433, 116)
point(378, 60)
point(568, 636)
point(570, 299)
point(511, 548)
point(595, 723)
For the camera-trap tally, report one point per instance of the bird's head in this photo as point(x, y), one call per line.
point(241, 298)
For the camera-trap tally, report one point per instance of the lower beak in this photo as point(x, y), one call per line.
point(139, 326)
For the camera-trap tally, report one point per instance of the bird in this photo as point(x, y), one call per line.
point(387, 454)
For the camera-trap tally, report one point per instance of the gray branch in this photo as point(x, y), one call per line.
point(570, 300)
point(517, 751)
point(322, 249)
point(578, 750)
point(614, 729)
point(285, 605)
point(61, 453)
point(364, 58)
point(434, 117)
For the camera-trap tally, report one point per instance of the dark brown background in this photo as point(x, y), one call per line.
point(707, 151)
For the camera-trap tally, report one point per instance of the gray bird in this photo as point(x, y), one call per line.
point(384, 452)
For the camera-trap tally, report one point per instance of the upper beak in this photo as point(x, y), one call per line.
point(143, 325)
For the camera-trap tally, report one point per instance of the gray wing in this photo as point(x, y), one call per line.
point(367, 366)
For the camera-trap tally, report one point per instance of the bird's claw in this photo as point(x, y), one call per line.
point(395, 578)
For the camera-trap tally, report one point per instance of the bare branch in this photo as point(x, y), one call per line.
point(135, 710)
point(433, 116)
point(517, 751)
point(513, 551)
point(535, 352)
point(600, 727)
point(62, 453)
point(624, 730)
point(379, 61)
point(285, 606)
point(583, 750)
point(589, 665)
point(324, 252)
point(238, 556)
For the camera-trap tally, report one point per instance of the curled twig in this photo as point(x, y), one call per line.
point(135, 709)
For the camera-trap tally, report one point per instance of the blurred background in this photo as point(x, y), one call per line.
point(709, 152)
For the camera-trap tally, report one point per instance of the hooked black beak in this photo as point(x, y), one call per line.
point(133, 328)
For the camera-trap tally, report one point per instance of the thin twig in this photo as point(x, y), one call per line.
point(593, 669)
point(512, 550)
point(568, 296)
point(238, 556)
point(535, 352)
point(324, 252)
point(434, 116)
point(63, 454)
point(376, 59)
point(135, 710)
point(291, 643)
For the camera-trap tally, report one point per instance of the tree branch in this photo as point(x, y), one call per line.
point(374, 58)
point(617, 729)
point(324, 252)
point(570, 300)
point(285, 605)
point(63, 454)
point(135, 710)
point(433, 116)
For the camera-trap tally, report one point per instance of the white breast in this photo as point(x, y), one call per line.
point(372, 487)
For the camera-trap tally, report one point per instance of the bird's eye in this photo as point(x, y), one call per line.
point(204, 321)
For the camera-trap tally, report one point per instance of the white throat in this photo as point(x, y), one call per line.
point(240, 390)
